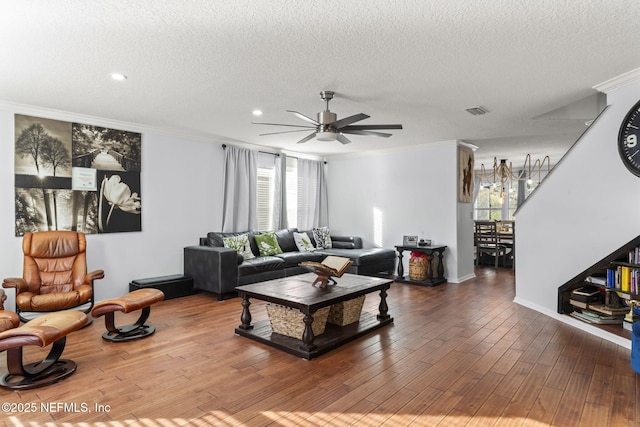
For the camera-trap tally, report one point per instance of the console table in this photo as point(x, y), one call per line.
point(433, 253)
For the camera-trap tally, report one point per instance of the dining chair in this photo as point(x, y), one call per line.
point(486, 240)
point(507, 237)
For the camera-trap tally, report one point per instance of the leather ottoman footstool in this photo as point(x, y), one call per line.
point(50, 328)
point(140, 299)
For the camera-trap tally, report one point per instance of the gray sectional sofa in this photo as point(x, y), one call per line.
point(218, 269)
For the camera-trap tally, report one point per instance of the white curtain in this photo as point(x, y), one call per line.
point(239, 192)
point(281, 192)
point(312, 195)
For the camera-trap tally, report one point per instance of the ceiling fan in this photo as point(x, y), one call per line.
point(328, 128)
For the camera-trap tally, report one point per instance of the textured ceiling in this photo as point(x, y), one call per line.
point(202, 66)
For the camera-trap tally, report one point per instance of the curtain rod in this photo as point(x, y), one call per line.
point(273, 154)
point(263, 152)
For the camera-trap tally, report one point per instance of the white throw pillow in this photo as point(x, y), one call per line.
point(303, 242)
point(241, 244)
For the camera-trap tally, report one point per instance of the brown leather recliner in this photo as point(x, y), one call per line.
point(54, 273)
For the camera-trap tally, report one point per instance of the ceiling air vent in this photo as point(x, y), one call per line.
point(477, 111)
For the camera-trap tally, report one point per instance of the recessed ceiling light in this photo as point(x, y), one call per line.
point(118, 76)
point(257, 112)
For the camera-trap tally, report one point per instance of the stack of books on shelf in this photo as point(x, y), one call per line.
point(597, 319)
point(588, 307)
point(586, 295)
point(623, 278)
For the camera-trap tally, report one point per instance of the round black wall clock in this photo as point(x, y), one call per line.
point(628, 144)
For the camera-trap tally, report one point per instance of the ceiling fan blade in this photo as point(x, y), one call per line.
point(343, 138)
point(366, 133)
point(371, 127)
point(348, 120)
point(303, 117)
point(281, 124)
point(307, 138)
point(286, 131)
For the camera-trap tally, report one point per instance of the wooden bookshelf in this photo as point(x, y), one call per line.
point(617, 259)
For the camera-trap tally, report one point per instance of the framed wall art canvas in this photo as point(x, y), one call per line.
point(72, 176)
point(465, 174)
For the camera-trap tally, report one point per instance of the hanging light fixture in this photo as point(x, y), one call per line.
point(503, 173)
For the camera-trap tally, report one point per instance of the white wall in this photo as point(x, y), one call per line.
point(414, 191)
point(585, 209)
point(465, 243)
point(411, 191)
point(181, 195)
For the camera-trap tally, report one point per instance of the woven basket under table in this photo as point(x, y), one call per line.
point(346, 312)
point(417, 269)
point(288, 321)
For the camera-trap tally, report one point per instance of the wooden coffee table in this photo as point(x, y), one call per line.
point(299, 293)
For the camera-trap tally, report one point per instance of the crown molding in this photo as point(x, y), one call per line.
point(68, 116)
point(619, 81)
point(50, 113)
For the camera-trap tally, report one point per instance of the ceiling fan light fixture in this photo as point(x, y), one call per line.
point(328, 128)
point(326, 136)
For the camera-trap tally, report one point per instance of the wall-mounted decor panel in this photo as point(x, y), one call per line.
point(72, 176)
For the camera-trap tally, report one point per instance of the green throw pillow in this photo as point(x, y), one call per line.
point(240, 243)
point(268, 244)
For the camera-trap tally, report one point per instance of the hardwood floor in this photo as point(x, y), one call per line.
point(456, 355)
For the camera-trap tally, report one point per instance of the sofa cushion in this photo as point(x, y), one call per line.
point(292, 259)
point(259, 265)
point(286, 240)
point(241, 244)
point(268, 244)
point(303, 242)
point(362, 256)
point(322, 237)
point(215, 238)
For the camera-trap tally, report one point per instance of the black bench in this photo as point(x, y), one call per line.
point(173, 286)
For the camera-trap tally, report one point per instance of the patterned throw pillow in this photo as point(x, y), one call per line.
point(268, 244)
point(303, 242)
point(241, 244)
point(322, 238)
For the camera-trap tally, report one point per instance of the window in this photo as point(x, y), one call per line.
point(489, 205)
point(304, 187)
point(265, 198)
point(268, 190)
